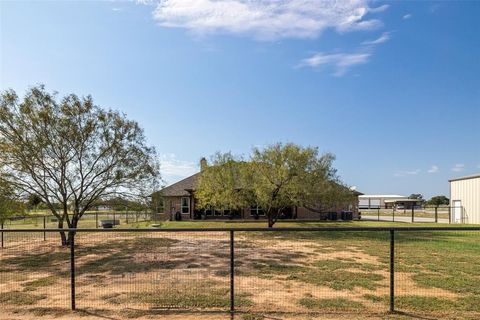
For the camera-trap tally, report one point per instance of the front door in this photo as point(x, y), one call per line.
point(457, 211)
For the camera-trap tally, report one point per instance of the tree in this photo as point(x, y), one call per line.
point(417, 196)
point(223, 184)
point(34, 201)
point(439, 201)
point(9, 202)
point(290, 175)
point(274, 178)
point(72, 152)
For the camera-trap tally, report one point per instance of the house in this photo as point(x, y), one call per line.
point(465, 199)
point(179, 203)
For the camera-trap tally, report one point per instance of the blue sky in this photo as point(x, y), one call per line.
point(391, 88)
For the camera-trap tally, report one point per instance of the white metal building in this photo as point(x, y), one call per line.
point(465, 199)
point(377, 201)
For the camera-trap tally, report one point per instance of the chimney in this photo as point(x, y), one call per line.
point(203, 164)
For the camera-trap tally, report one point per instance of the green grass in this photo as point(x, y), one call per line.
point(213, 298)
point(38, 283)
point(335, 304)
point(20, 298)
point(335, 264)
point(427, 304)
point(291, 224)
point(339, 279)
point(198, 295)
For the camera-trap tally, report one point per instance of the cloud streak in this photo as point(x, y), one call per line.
point(433, 169)
point(407, 173)
point(458, 167)
point(382, 39)
point(267, 19)
point(340, 62)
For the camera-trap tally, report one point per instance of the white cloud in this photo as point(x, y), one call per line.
point(145, 2)
point(117, 9)
point(173, 169)
point(433, 169)
point(340, 62)
point(407, 16)
point(379, 9)
point(382, 39)
point(458, 167)
point(407, 173)
point(267, 19)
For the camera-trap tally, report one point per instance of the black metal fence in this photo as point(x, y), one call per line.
point(89, 220)
point(255, 270)
point(434, 214)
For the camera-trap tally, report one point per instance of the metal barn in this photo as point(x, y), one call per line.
point(465, 199)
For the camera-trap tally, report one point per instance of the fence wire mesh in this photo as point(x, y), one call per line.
point(296, 272)
point(34, 272)
point(437, 272)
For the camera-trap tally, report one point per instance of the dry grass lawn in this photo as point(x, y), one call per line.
point(281, 275)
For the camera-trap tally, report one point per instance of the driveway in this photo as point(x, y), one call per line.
point(401, 219)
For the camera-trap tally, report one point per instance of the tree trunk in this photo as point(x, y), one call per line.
point(270, 222)
point(73, 225)
point(63, 237)
point(66, 236)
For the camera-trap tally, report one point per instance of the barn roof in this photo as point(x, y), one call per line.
point(473, 176)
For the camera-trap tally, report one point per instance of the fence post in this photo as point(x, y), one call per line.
point(392, 271)
point(378, 213)
point(2, 234)
point(413, 213)
point(436, 214)
point(232, 273)
point(72, 268)
point(96, 219)
point(44, 227)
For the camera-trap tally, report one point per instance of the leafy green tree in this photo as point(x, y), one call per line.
point(291, 175)
point(34, 201)
point(72, 152)
point(274, 178)
point(438, 201)
point(9, 203)
point(224, 183)
point(418, 196)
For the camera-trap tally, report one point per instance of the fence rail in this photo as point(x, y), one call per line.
point(245, 269)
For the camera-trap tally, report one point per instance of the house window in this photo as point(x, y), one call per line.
point(217, 212)
point(208, 211)
point(256, 211)
point(185, 205)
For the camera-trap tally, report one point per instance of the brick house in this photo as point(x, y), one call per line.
point(179, 203)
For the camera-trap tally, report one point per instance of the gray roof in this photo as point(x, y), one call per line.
point(181, 188)
point(473, 176)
